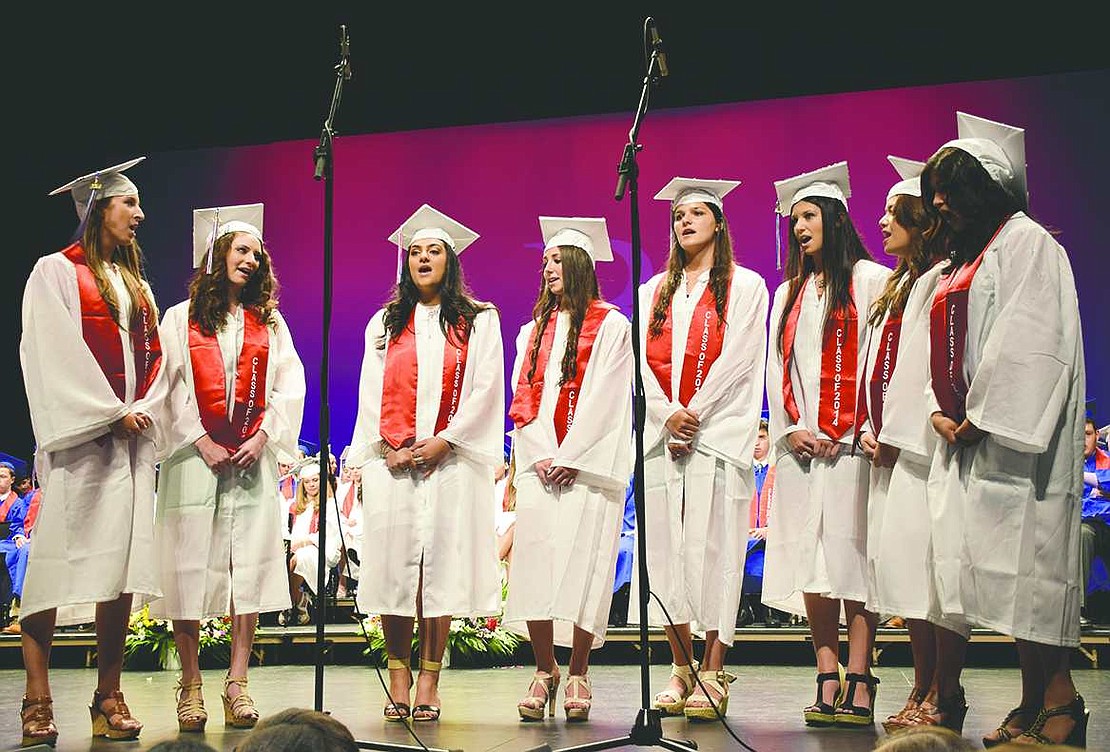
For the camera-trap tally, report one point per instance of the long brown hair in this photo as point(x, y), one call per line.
point(676, 262)
point(128, 260)
point(209, 298)
point(579, 290)
point(841, 248)
point(909, 212)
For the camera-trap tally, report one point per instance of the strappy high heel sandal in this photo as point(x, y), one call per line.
point(699, 707)
point(425, 712)
point(1002, 734)
point(394, 711)
point(576, 706)
point(850, 714)
point(822, 713)
point(117, 723)
point(1077, 737)
point(191, 715)
point(37, 717)
point(670, 701)
point(531, 708)
point(948, 712)
point(900, 720)
point(239, 711)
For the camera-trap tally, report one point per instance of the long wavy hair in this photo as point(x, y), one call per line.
point(457, 306)
point(301, 500)
point(969, 190)
point(909, 212)
point(209, 296)
point(129, 261)
point(676, 262)
point(841, 248)
point(579, 290)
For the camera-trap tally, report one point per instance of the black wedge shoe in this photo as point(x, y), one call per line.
point(1076, 710)
point(849, 714)
point(821, 713)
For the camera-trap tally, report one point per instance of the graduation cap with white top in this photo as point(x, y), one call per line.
point(1000, 148)
point(829, 182)
point(909, 171)
point(689, 190)
point(209, 225)
point(428, 223)
point(588, 233)
point(104, 183)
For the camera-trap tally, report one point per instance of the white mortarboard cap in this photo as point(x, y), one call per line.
point(1000, 148)
point(426, 223)
point(588, 233)
point(687, 190)
point(310, 469)
point(910, 172)
point(209, 225)
point(830, 182)
point(106, 183)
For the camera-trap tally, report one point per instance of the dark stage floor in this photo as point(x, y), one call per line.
point(479, 710)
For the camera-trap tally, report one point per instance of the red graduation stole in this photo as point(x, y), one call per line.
point(250, 382)
point(948, 336)
point(398, 414)
point(7, 504)
point(101, 332)
point(32, 511)
point(839, 348)
point(881, 373)
point(527, 395)
point(314, 525)
point(349, 500)
point(760, 505)
point(703, 346)
point(287, 486)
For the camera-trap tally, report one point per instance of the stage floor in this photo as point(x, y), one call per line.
point(479, 708)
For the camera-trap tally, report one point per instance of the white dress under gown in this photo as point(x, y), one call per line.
point(566, 539)
point(220, 537)
point(1012, 500)
point(442, 525)
point(697, 506)
point(817, 529)
point(900, 531)
point(94, 535)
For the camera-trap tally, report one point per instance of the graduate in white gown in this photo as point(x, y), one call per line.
point(703, 344)
point(304, 542)
point(1007, 393)
point(237, 389)
point(572, 446)
point(428, 436)
point(816, 560)
point(900, 535)
point(91, 360)
point(348, 493)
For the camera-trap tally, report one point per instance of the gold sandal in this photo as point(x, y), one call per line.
point(239, 711)
point(531, 708)
point(191, 715)
point(397, 711)
point(669, 701)
point(576, 706)
point(37, 717)
point(704, 710)
point(106, 723)
point(424, 711)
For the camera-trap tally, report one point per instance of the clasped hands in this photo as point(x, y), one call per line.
point(219, 458)
point(963, 434)
point(555, 477)
point(422, 458)
point(683, 427)
point(805, 446)
point(131, 425)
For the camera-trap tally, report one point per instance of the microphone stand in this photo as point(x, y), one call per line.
point(648, 729)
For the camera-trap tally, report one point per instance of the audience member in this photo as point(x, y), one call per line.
point(349, 495)
point(299, 730)
point(304, 519)
point(924, 739)
point(1095, 526)
point(752, 609)
point(182, 745)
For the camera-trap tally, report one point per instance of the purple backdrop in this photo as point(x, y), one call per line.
point(497, 179)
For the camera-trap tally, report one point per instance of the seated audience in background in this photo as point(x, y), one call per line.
point(1095, 526)
point(752, 609)
point(304, 535)
point(183, 744)
point(15, 545)
point(926, 739)
point(622, 581)
point(349, 496)
point(299, 730)
point(287, 480)
point(504, 509)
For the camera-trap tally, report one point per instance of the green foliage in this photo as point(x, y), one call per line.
point(149, 636)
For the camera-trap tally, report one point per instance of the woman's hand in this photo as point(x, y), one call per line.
point(826, 448)
point(969, 433)
point(679, 450)
point(803, 444)
point(399, 461)
point(944, 426)
point(886, 455)
point(214, 455)
point(683, 425)
point(130, 425)
point(542, 469)
point(250, 451)
point(868, 444)
point(428, 453)
point(562, 477)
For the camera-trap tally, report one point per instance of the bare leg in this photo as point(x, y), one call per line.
point(1032, 689)
point(579, 666)
point(861, 641)
point(186, 635)
point(923, 645)
point(681, 643)
point(433, 644)
point(111, 631)
point(1059, 689)
point(823, 615)
point(398, 644)
point(242, 642)
point(542, 636)
point(37, 637)
point(951, 651)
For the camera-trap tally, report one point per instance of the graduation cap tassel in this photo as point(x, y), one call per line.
point(778, 241)
point(93, 195)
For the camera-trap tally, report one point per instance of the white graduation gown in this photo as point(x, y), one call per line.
point(697, 507)
point(94, 535)
point(899, 525)
point(442, 525)
point(308, 552)
point(1014, 497)
point(350, 525)
point(817, 528)
point(566, 540)
point(220, 537)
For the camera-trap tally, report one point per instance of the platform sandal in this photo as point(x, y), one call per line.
point(1077, 737)
point(822, 713)
point(705, 712)
point(670, 701)
point(425, 712)
point(395, 711)
point(577, 707)
point(900, 720)
point(531, 708)
point(239, 711)
point(191, 715)
point(117, 723)
point(948, 712)
point(37, 717)
point(850, 714)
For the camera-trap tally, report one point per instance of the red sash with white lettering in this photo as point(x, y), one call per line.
point(526, 397)
point(101, 332)
point(398, 415)
point(250, 382)
point(703, 346)
point(349, 500)
point(836, 412)
point(881, 373)
point(948, 336)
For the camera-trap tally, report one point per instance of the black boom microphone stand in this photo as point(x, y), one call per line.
point(648, 730)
